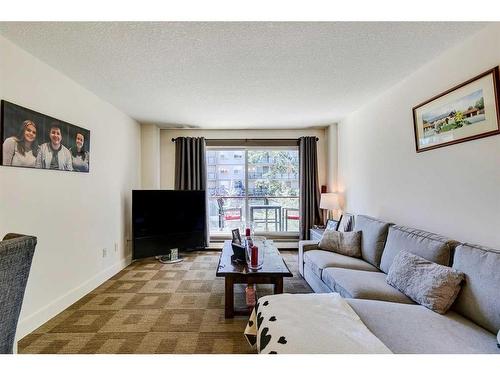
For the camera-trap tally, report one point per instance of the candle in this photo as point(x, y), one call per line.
point(250, 295)
point(255, 256)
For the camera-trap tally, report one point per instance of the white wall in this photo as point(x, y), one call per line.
point(454, 190)
point(150, 156)
point(168, 147)
point(331, 134)
point(74, 215)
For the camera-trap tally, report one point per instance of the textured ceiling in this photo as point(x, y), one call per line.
point(236, 75)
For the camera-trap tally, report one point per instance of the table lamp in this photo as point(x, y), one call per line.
point(329, 201)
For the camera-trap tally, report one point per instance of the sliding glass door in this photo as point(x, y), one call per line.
point(258, 185)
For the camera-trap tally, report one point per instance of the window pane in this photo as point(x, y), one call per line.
point(225, 214)
point(273, 189)
point(225, 180)
point(272, 195)
point(273, 173)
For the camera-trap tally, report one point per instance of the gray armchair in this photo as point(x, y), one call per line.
point(16, 253)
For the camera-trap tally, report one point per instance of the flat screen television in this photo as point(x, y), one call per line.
point(167, 219)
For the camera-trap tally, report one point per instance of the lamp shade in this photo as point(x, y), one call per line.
point(329, 201)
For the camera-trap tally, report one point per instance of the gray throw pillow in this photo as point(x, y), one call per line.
point(429, 284)
point(345, 243)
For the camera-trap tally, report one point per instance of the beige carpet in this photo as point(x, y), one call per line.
point(151, 307)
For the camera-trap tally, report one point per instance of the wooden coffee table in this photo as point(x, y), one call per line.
point(272, 272)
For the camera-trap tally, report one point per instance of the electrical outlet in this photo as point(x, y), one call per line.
point(104, 253)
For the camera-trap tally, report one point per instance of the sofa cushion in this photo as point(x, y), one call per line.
point(362, 284)
point(318, 260)
point(429, 284)
point(410, 329)
point(315, 282)
point(427, 245)
point(479, 298)
point(374, 234)
point(345, 243)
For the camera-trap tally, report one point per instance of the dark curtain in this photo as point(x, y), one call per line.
point(190, 167)
point(310, 213)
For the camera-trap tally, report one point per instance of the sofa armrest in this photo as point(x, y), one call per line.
point(303, 247)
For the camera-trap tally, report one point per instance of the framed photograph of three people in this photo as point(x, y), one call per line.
point(30, 139)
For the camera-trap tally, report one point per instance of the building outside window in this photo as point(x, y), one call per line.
point(253, 185)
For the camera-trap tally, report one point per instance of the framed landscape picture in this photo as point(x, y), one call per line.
point(465, 112)
point(31, 139)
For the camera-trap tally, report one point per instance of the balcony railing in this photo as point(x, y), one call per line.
point(275, 176)
point(255, 196)
point(270, 160)
point(267, 213)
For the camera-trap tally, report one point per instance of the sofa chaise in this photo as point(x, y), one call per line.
point(470, 325)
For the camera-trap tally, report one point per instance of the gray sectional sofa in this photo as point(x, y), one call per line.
point(470, 326)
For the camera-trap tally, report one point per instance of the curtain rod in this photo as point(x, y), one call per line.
point(253, 139)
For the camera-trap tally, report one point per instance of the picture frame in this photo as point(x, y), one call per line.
point(463, 113)
point(345, 223)
point(332, 224)
point(236, 236)
point(30, 139)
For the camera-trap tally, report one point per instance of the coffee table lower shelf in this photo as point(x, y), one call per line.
point(231, 280)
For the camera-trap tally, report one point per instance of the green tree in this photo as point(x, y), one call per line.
point(480, 104)
point(282, 168)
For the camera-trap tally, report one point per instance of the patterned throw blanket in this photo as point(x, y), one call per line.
point(308, 324)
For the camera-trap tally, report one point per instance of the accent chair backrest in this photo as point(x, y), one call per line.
point(16, 254)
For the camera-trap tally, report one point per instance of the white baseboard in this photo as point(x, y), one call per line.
point(35, 320)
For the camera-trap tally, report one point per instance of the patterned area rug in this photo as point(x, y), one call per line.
point(151, 307)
